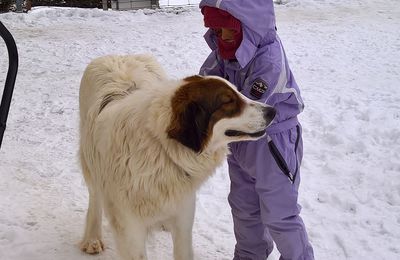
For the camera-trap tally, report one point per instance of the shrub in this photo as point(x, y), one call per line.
point(5, 5)
point(69, 3)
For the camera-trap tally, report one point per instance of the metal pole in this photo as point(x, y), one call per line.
point(105, 7)
point(10, 80)
point(19, 3)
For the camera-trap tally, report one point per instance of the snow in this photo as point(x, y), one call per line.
point(345, 56)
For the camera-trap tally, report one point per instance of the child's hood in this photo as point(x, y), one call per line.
point(258, 23)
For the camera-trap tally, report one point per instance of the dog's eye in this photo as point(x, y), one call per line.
point(225, 99)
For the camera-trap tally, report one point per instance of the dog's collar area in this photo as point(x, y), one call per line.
point(233, 133)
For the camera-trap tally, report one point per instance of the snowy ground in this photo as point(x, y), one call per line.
point(345, 56)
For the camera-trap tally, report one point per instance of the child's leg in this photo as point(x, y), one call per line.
point(249, 230)
point(278, 194)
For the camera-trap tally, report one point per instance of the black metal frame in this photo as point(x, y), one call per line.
point(10, 80)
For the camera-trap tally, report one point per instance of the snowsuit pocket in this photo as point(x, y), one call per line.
point(280, 160)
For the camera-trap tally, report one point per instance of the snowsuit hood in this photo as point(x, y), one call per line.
point(258, 23)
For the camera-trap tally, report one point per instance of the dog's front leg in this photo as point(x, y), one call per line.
point(91, 242)
point(182, 230)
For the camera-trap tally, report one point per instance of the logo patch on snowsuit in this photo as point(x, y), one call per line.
point(258, 88)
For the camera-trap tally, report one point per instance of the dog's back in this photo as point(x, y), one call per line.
point(105, 80)
point(113, 74)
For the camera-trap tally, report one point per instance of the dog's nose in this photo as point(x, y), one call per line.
point(269, 113)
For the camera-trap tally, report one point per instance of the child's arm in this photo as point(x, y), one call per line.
point(268, 75)
point(270, 81)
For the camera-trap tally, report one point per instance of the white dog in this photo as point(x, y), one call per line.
point(148, 143)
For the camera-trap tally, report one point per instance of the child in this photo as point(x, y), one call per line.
point(264, 174)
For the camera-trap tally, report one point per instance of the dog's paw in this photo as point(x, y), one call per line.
point(92, 246)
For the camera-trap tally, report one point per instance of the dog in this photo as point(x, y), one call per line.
point(147, 143)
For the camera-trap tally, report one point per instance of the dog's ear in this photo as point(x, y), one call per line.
point(190, 126)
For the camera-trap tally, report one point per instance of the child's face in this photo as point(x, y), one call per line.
point(225, 34)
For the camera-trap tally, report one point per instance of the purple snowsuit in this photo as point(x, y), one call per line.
point(265, 174)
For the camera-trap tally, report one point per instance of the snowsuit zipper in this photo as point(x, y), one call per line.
point(280, 161)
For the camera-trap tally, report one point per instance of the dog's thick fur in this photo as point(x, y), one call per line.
point(147, 144)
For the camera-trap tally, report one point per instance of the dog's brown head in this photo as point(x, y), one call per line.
point(209, 111)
